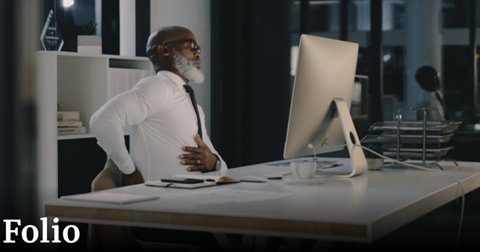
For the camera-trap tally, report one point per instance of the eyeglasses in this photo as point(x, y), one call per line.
point(193, 44)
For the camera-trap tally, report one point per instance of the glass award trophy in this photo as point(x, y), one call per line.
point(51, 37)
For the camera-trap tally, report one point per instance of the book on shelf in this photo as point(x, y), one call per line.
point(68, 116)
point(76, 130)
point(209, 180)
point(69, 124)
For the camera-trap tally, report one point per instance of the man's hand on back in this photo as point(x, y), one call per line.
point(132, 178)
point(201, 157)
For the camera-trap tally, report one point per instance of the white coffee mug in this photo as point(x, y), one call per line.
point(303, 170)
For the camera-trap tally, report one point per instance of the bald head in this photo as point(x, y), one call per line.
point(428, 78)
point(163, 35)
point(175, 49)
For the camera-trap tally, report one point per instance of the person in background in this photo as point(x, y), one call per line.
point(430, 96)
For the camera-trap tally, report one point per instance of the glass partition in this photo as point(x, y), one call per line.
point(72, 14)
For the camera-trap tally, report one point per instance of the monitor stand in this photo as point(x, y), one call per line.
point(358, 161)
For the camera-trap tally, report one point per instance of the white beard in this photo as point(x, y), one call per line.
point(188, 69)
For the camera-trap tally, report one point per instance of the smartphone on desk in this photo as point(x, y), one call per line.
point(183, 180)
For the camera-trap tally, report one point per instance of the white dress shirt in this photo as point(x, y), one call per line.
point(161, 119)
point(427, 99)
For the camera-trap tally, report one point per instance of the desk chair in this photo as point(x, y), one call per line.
point(110, 237)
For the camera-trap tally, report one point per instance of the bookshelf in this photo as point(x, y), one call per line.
point(81, 82)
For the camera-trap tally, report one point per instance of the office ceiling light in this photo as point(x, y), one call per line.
point(68, 3)
point(387, 57)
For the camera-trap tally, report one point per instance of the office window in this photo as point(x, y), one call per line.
point(393, 27)
point(458, 84)
point(447, 22)
point(359, 32)
point(71, 14)
point(454, 14)
point(322, 19)
point(324, 16)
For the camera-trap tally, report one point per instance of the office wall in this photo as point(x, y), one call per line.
point(194, 15)
point(127, 28)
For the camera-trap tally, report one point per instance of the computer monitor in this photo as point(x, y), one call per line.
point(321, 99)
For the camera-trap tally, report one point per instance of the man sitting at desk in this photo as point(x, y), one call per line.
point(162, 119)
point(167, 128)
point(430, 96)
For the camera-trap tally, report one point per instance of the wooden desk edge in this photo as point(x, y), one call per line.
point(241, 223)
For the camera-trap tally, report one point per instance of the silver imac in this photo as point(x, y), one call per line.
point(321, 99)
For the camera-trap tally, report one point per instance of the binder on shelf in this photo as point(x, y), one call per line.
point(133, 77)
point(69, 124)
point(124, 79)
point(146, 73)
point(117, 82)
point(66, 131)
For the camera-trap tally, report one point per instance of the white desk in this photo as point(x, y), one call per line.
point(359, 209)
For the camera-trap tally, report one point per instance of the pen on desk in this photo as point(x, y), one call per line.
point(210, 180)
point(329, 167)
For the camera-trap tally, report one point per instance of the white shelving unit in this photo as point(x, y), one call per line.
point(81, 83)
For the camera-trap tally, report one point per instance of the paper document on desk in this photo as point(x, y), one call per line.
point(107, 197)
point(224, 196)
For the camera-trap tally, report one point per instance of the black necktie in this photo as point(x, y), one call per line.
point(194, 103)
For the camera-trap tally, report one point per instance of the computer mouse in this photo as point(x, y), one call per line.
point(276, 175)
point(253, 179)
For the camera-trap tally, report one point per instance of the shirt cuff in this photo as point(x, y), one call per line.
point(127, 167)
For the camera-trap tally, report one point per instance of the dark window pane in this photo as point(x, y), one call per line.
point(454, 14)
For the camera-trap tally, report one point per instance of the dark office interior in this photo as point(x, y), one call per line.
point(253, 47)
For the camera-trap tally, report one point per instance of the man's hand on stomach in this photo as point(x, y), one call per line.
point(201, 157)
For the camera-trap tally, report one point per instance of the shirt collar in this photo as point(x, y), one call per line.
point(175, 78)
